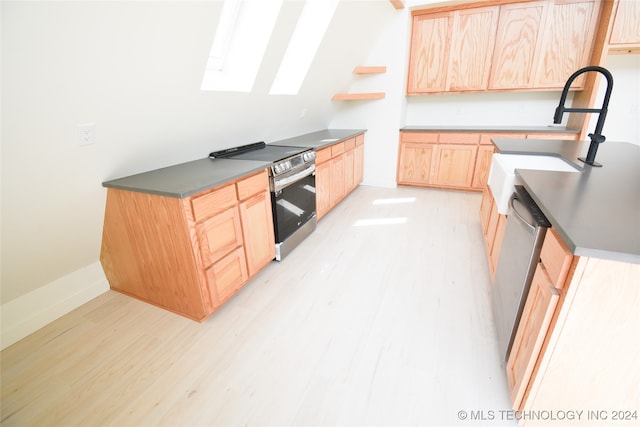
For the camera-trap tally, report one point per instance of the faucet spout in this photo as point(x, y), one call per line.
point(596, 137)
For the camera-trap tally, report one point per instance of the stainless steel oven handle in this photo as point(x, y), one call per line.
point(531, 227)
point(286, 181)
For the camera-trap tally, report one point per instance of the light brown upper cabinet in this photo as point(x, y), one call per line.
point(532, 45)
point(452, 51)
point(429, 54)
point(567, 42)
point(518, 42)
point(471, 48)
point(625, 29)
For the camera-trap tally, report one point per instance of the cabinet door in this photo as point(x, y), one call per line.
point(257, 229)
point(414, 163)
point(474, 32)
point(566, 47)
point(518, 39)
point(226, 276)
point(336, 192)
point(358, 164)
point(492, 225)
point(454, 167)
point(323, 188)
point(532, 330)
point(496, 243)
point(219, 235)
point(482, 166)
point(485, 209)
point(429, 53)
point(625, 31)
point(349, 164)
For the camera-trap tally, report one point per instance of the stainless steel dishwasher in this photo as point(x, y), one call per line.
point(523, 236)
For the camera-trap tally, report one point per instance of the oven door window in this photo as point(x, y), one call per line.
point(293, 206)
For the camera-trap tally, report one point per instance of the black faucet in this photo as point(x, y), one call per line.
point(596, 137)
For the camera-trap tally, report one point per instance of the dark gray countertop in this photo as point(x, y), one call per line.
point(597, 211)
point(320, 139)
point(189, 178)
point(524, 129)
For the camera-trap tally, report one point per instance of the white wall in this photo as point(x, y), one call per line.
point(623, 118)
point(134, 69)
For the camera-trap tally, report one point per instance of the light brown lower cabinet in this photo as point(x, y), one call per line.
point(493, 226)
point(188, 255)
point(339, 170)
point(258, 238)
point(532, 330)
point(336, 194)
point(414, 163)
point(323, 189)
point(589, 357)
point(227, 275)
point(539, 309)
point(456, 160)
point(454, 165)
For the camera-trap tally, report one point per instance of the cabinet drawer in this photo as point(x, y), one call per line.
point(208, 204)
point(337, 149)
point(562, 136)
point(323, 155)
point(459, 138)
point(485, 138)
point(219, 235)
point(253, 185)
point(349, 144)
point(429, 137)
point(360, 139)
point(226, 276)
point(556, 258)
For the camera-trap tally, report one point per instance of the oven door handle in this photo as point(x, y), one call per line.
point(286, 181)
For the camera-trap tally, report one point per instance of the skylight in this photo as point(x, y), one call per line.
point(242, 36)
point(241, 39)
point(309, 32)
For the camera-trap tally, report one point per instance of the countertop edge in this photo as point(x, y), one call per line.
point(525, 129)
point(120, 183)
point(186, 179)
point(316, 140)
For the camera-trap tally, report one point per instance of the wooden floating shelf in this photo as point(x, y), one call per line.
point(370, 70)
point(398, 4)
point(623, 50)
point(357, 96)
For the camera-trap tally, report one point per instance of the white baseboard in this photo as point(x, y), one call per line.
point(28, 313)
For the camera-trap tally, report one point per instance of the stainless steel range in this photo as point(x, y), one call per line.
point(293, 189)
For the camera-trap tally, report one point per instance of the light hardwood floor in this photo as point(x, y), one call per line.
point(386, 324)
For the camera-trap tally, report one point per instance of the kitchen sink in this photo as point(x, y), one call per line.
point(502, 175)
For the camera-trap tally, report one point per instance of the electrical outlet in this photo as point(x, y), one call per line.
point(86, 134)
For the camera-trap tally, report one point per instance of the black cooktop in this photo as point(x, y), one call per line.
point(258, 151)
